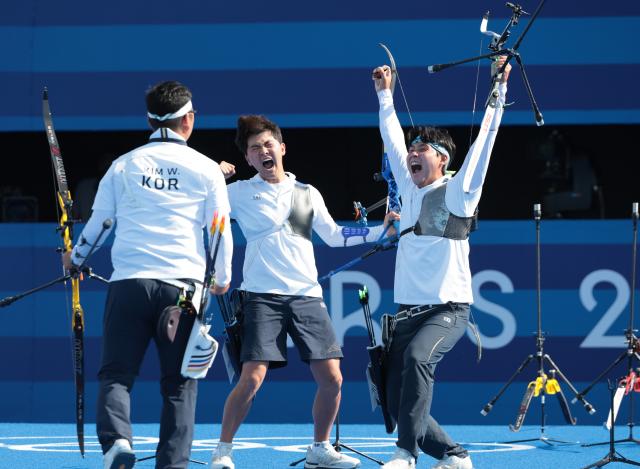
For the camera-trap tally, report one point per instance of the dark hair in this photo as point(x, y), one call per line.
point(165, 98)
point(435, 135)
point(252, 124)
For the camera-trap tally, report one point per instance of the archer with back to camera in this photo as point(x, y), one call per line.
point(161, 196)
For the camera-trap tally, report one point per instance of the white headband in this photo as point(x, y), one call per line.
point(436, 146)
point(179, 113)
point(439, 148)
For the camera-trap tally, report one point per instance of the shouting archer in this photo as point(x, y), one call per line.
point(282, 295)
point(432, 277)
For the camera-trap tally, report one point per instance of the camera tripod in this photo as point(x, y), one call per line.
point(338, 446)
point(632, 351)
point(543, 384)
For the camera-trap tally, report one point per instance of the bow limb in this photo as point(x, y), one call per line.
point(396, 75)
point(360, 211)
point(65, 227)
point(392, 64)
point(393, 199)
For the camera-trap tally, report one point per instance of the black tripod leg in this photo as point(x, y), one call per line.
point(613, 455)
point(295, 463)
point(602, 462)
point(487, 408)
point(624, 460)
point(337, 445)
point(146, 458)
point(579, 396)
point(341, 445)
point(607, 459)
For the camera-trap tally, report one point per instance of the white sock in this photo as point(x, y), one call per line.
point(224, 448)
point(323, 444)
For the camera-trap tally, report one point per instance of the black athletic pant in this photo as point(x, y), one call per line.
point(418, 344)
point(130, 321)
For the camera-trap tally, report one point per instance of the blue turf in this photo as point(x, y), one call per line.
point(36, 446)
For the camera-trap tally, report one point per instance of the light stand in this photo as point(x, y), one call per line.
point(613, 455)
point(543, 384)
point(497, 46)
point(633, 343)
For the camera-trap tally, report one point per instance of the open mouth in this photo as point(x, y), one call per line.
point(415, 167)
point(268, 164)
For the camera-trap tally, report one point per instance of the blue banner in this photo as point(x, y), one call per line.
point(584, 302)
point(309, 66)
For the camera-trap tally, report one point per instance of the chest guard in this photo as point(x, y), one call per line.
point(301, 216)
point(436, 220)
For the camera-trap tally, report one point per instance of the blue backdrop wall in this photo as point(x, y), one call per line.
point(306, 64)
point(586, 272)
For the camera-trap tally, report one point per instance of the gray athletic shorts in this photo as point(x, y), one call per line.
point(268, 318)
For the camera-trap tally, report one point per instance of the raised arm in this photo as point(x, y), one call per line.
point(469, 180)
point(390, 128)
point(228, 169)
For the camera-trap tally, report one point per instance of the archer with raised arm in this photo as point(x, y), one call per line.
point(432, 277)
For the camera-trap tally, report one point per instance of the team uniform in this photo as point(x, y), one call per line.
point(161, 196)
point(432, 281)
point(280, 280)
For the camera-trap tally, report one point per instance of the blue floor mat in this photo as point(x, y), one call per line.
point(265, 446)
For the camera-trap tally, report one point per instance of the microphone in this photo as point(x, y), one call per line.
point(537, 211)
point(634, 210)
point(436, 68)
